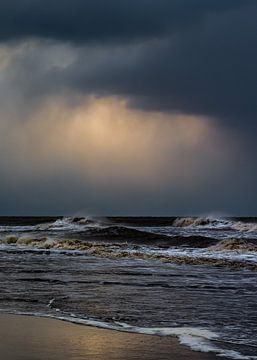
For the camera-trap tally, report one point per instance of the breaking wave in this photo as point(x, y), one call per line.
point(215, 223)
point(239, 245)
point(241, 226)
point(113, 235)
point(181, 243)
point(201, 221)
point(133, 251)
point(127, 228)
point(69, 223)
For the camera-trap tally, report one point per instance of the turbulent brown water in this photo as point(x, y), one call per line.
point(194, 278)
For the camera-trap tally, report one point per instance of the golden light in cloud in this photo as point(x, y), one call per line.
point(106, 141)
point(3, 58)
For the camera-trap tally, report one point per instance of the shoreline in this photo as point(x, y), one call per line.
point(38, 338)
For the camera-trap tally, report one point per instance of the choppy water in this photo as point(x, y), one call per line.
point(193, 278)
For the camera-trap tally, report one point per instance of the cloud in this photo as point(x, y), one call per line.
point(200, 59)
point(99, 154)
point(84, 21)
point(104, 140)
point(208, 71)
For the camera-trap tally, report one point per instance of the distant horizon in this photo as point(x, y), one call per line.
point(129, 216)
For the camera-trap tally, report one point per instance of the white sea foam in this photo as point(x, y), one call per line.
point(71, 223)
point(241, 226)
point(208, 253)
point(207, 222)
point(13, 228)
point(65, 223)
point(235, 245)
point(204, 345)
point(243, 253)
point(214, 223)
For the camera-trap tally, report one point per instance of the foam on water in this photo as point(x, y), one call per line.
point(208, 222)
point(62, 224)
point(204, 345)
point(215, 223)
point(71, 223)
point(230, 253)
point(12, 228)
point(235, 245)
point(212, 227)
point(248, 227)
point(212, 253)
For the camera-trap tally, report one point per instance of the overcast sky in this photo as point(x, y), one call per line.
point(132, 107)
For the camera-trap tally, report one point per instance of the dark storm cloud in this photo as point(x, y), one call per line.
point(190, 56)
point(210, 70)
point(98, 20)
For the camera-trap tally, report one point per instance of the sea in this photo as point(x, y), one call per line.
point(194, 278)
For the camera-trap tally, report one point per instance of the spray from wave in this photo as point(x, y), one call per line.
point(214, 223)
point(73, 223)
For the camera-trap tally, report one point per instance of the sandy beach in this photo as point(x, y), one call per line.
point(34, 338)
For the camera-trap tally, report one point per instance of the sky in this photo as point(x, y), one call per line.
point(132, 107)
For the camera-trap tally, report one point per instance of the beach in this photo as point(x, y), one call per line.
point(35, 338)
point(181, 286)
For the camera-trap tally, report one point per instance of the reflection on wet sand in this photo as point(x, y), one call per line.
point(31, 338)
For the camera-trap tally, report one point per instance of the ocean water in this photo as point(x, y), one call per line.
point(193, 278)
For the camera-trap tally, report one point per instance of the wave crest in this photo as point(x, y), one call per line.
point(215, 224)
point(239, 245)
point(199, 221)
point(241, 226)
point(70, 223)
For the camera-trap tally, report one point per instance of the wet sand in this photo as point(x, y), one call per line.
point(34, 338)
